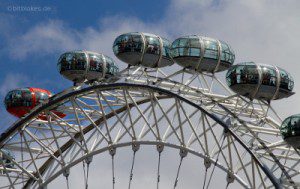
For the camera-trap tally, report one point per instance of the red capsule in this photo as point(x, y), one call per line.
point(21, 101)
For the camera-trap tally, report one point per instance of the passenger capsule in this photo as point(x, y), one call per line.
point(81, 66)
point(260, 81)
point(202, 53)
point(144, 49)
point(290, 130)
point(21, 101)
point(6, 158)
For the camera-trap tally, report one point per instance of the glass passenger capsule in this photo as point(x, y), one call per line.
point(6, 158)
point(260, 81)
point(202, 53)
point(290, 130)
point(21, 101)
point(144, 49)
point(79, 66)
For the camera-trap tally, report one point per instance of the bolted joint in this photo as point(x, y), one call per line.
point(41, 181)
point(226, 132)
point(160, 147)
point(230, 177)
point(135, 146)
point(89, 159)
point(183, 153)
point(66, 172)
point(112, 150)
point(207, 162)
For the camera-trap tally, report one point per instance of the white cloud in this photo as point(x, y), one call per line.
point(12, 81)
point(261, 31)
point(44, 38)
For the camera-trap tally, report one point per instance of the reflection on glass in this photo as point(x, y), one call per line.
point(18, 98)
point(286, 81)
point(291, 126)
point(243, 74)
point(211, 49)
point(191, 46)
point(248, 73)
point(111, 67)
point(72, 61)
point(226, 54)
point(268, 76)
point(128, 43)
point(152, 45)
point(166, 52)
point(96, 62)
point(144, 49)
point(40, 97)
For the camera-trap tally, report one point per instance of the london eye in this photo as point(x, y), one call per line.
point(182, 114)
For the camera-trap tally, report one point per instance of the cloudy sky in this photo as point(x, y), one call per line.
point(34, 33)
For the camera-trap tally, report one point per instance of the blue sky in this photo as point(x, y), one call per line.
point(39, 70)
point(75, 15)
point(264, 31)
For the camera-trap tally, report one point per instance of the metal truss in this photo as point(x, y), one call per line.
point(193, 113)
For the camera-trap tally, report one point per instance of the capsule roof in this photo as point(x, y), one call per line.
point(79, 66)
point(290, 130)
point(202, 53)
point(260, 81)
point(144, 49)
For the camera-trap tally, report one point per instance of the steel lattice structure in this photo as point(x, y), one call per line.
point(190, 112)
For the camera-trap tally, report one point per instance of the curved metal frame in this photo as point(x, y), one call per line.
point(118, 85)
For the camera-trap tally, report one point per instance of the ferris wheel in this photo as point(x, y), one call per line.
point(166, 121)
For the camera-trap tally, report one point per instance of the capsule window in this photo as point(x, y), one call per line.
point(96, 63)
point(291, 83)
point(27, 98)
point(79, 61)
point(152, 45)
point(243, 74)
point(291, 127)
point(120, 44)
point(166, 49)
point(175, 44)
point(226, 55)
point(19, 98)
point(40, 97)
point(111, 68)
point(8, 99)
point(295, 122)
point(268, 76)
point(184, 42)
point(188, 47)
point(63, 64)
point(72, 61)
point(195, 43)
point(184, 51)
point(211, 49)
point(194, 52)
point(284, 80)
point(230, 76)
point(128, 43)
point(16, 98)
point(286, 127)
